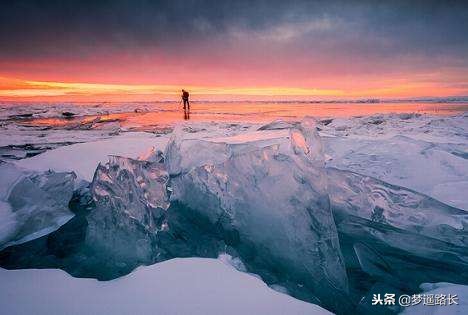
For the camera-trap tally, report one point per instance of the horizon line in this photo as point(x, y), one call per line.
point(14, 89)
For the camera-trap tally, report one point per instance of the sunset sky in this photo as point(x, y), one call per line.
point(148, 50)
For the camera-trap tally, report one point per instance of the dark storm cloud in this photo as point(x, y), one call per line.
point(30, 29)
point(120, 22)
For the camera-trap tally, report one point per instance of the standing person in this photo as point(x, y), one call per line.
point(185, 98)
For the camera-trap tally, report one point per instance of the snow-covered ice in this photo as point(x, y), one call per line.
point(177, 286)
point(442, 290)
point(396, 184)
point(424, 153)
point(83, 158)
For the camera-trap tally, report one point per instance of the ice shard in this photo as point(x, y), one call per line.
point(34, 204)
point(115, 229)
point(396, 235)
point(266, 196)
point(130, 199)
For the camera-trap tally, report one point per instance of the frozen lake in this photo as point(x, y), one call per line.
point(398, 170)
point(138, 115)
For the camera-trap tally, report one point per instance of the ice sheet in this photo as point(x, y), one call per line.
point(424, 153)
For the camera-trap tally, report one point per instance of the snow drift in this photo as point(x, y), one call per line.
point(179, 286)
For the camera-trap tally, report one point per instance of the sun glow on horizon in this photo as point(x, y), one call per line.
point(12, 89)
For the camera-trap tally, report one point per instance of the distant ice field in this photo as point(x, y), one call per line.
point(146, 114)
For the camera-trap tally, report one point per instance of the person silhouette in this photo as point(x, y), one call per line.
point(185, 99)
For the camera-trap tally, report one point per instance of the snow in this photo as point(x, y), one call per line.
point(178, 286)
point(441, 288)
point(83, 158)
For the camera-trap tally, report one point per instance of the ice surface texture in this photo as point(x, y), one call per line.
point(397, 237)
point(325, 235)
point(32, 204)
point(267, 199)
point(424, 153)
point(124, 228)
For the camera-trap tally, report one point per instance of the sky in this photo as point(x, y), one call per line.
point(148, 50)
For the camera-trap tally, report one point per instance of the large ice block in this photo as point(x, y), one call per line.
point(32, 204)
point(265, 194)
